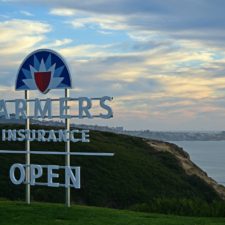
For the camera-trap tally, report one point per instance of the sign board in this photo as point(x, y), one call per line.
point(44, 70)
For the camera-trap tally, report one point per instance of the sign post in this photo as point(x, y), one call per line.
point(27, 149)
point(67, 123)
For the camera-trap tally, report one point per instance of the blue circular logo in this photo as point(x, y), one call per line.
point(43, 70)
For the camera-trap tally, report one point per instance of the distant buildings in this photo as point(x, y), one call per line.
point(148, 134)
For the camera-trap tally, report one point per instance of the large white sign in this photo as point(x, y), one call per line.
point(44, 70)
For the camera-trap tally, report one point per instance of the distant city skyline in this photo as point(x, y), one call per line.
point(162, 61)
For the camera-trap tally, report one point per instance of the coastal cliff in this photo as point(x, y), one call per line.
point(189, 167)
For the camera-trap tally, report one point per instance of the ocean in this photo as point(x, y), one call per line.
point(208, 155)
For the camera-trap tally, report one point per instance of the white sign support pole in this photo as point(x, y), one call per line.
point(28, 150)
point(67, 147)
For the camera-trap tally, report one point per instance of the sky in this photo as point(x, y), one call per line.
point(162, 61)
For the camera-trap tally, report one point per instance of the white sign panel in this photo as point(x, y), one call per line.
point(44, 70)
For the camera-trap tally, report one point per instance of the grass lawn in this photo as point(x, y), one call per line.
point(16, 213)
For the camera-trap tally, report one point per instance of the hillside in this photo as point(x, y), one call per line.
point(12, 213)
point(141, 176)
point(189, 167)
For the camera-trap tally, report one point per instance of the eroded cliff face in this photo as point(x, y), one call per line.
point(186, 163)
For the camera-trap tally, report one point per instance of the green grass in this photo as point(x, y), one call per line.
point(18, 213)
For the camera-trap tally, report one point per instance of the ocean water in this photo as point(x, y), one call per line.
point(208, 155)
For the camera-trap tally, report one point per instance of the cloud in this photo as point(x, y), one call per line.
point(161, 81)
point(17, 28)
point(187, 19)
point(57, 43)
point(26, 13)
point(166, 70)
point(100, 21)
point(64, 41)
point(62, 12)
point(18, 37)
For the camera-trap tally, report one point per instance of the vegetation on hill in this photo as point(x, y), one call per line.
point(138, 177)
